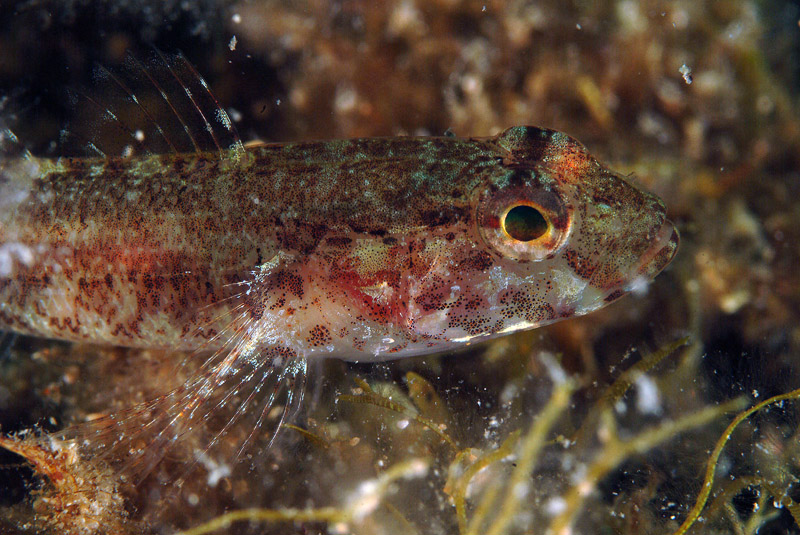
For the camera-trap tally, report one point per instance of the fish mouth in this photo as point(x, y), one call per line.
point(663, 250)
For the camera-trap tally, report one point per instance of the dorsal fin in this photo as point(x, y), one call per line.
point(10, 144)
point(17, 168)
point(157, 105)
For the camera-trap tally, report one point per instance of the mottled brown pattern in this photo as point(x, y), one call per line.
point(381, 241)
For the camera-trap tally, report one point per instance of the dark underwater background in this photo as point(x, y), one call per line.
point(697, 101)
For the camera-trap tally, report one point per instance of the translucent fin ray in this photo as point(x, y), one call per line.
point(151, 106)
point(168, 102)
point(203, 417)
point(10, 144)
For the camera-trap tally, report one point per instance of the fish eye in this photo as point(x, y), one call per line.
point(525, 223)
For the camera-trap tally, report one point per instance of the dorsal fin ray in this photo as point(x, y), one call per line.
point(190, 95)
point(221, 116)
point(10, 144)
point(17, 167)
point(214, 122)
point(167, 101)
point(135, 100)
point(153, 106)
point(113, 119)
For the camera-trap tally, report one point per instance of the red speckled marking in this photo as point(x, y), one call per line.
point(358, 248)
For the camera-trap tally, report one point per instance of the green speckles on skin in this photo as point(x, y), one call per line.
point(546, 180)
point(602, 208)
point(97, 169)
point(418, 177)
point(385, 236)
point(502, 180)
point(146, 167)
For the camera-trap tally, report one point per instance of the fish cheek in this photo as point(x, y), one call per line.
point(442, 302)
point(527, 307)
point(583, 266)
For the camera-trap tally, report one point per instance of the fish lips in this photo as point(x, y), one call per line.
point(661, 253)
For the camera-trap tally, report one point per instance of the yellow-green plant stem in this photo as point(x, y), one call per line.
point(615, 451)
point(711, 468)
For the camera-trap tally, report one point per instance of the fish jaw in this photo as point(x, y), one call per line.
point(661, 253)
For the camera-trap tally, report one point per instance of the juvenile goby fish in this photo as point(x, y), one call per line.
point(362, 249)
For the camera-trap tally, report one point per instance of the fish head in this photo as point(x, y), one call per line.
point(557, 234)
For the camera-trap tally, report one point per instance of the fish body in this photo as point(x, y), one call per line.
point(363, 249)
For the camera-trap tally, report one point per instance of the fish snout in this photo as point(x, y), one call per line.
point(638, 254)
point(661, 252)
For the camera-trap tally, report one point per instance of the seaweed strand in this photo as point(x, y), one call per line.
point(711, 468)
point(616, 451)
point(531, 446)
point(356, 509)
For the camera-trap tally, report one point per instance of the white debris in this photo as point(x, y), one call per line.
point(216, 471)
point(648, 398)
point(555, 506)
point(686, 72)
point(235, 115)
point(14, 252)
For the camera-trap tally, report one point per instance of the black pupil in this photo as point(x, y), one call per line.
point(525, 223)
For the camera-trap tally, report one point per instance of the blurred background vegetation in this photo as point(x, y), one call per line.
point(698, 101)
